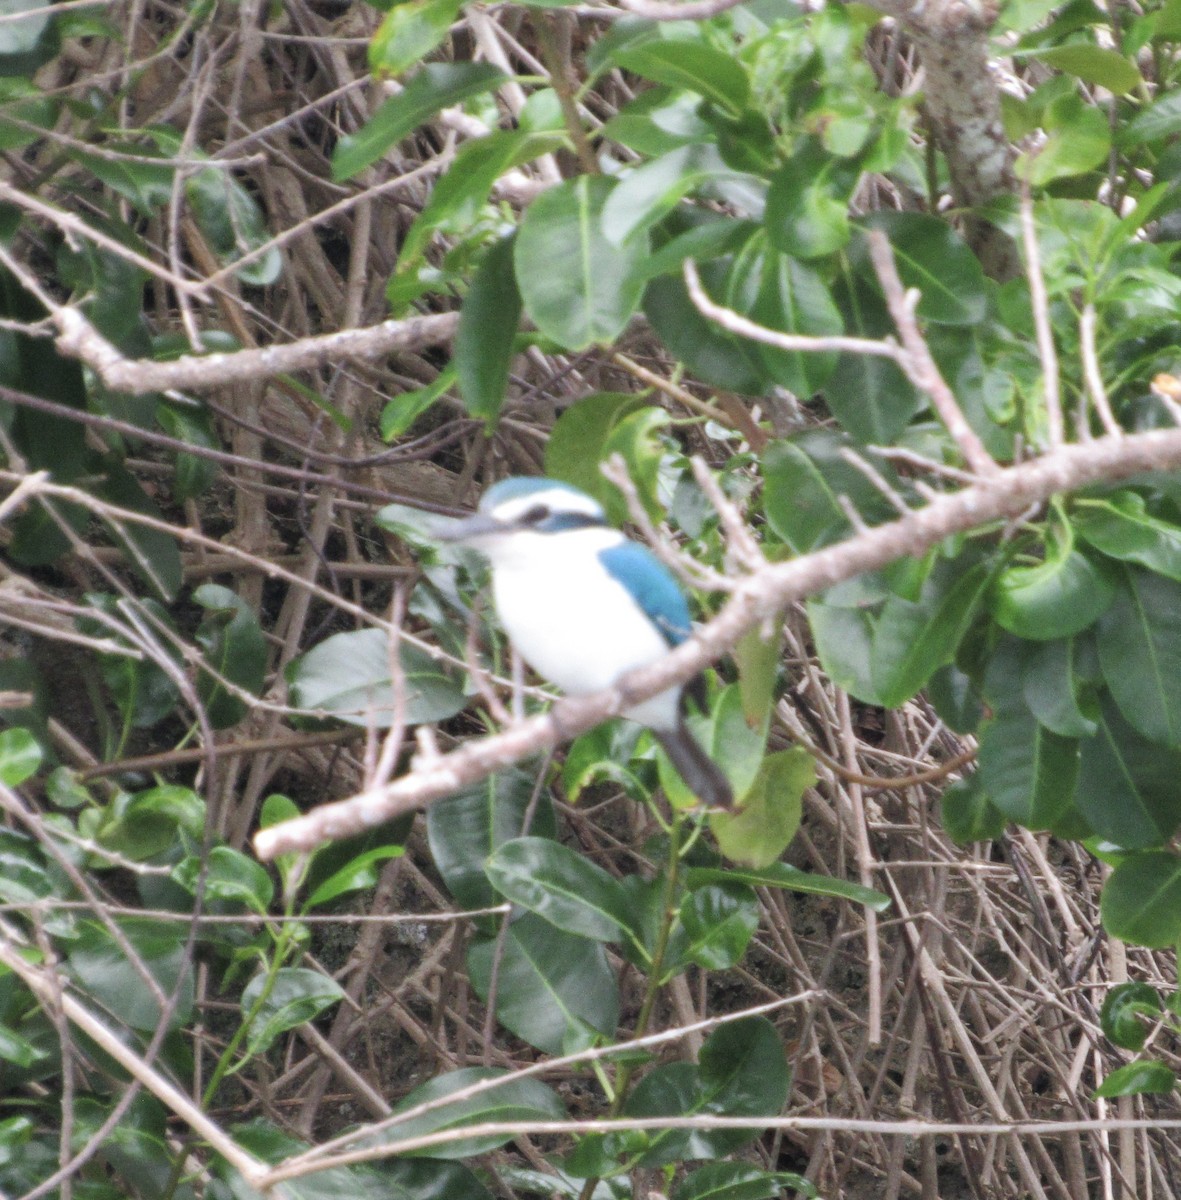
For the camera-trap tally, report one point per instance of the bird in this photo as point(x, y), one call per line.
point(583, 604)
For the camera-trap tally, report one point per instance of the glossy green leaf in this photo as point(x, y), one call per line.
point(716, 357)
point(356, 875)
point(554, 989)
point(807, 214)
point(234, 646)
point(230, 877)
point(20, 756)
point(932, 257)
point(1141, 901)
point(844, 644)
point(408, 33)
point(143, 824)
point(968, 814)
point(29, 37)
point(1051, 690)
point(793, 879)
point(1140, 653)
point(401, 411)
point(718, 920)
point(1092, 64)
point(1123, 1009)
point(560, 886)
point(233, 224)
point(1127, 786)
point(436, 86)
point(1140, 1078)
point(484, 342)
point(803, 478)
point(514, 1100)
point(100, 967)
point(739, 1181)
point(912, 639)
point(465, 829)
point(1078, 140)
point(1122, 528)
point(348, 676)
point(1162, 119)
point(1055, 599)
point(729, 740)
point(789, 297)
point(769, 815)
point(741, 1071)
point(1028, 772)
point(653, 189)
point(592, 298)
point(577, 442)
point(692, 66)
point(757, 659)
point(297, 995)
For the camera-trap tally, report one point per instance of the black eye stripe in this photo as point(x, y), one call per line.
point(535, 515)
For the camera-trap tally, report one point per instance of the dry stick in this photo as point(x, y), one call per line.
point(1092, 374)
point(1041, 322)
point(1004, 495)
point(916, 359)
point(35, 979)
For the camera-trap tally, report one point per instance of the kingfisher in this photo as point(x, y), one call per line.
point(583, 604)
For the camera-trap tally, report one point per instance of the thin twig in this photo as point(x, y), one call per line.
point(1055, 429)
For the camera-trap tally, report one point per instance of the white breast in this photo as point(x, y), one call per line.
point(570, 620)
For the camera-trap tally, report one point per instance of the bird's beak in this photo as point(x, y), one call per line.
point(471, 529)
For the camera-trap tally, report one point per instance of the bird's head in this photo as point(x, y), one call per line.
point(535, 508)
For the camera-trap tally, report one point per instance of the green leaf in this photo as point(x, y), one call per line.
point(1162, 119)
point(356, 875)
point(29, 41)
point(1090, 63)
point(401, 411)
point(1122, 528)
point(1123, 1007)
point(786, 876)
point(484, 342)
point(651, 191)
point(1127, 786)
point(1055, 599)
point(932, 257)
point(844, 645)
point(912, 639)
point(514, 1100)
point(233, 224)
point(803, 478)
point(554, 989)
point(1140, 653)
point(100, 967)
point(788, 296)
point(1141, 901)
point(1028, 772)
point(739, 1181)
point(560, 886)
point(692, 66)
point(20, 756)
point(1140, 1078)
point(234, 647)
point(1050, 689)
point(298, 995)
point(741, 1071)
point(152, 553)
point(348, 676)
point(230, 877)
point(719, 920)
point(715, 357)
point(968, 814)
point(465, 829)
point(436, 86)
point(807, 214)
point(592, 298)
point(767, 820)
point(408, 33)
point(147, 823)
point(1078, 141)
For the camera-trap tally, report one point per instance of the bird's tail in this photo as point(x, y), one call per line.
point(702, 775)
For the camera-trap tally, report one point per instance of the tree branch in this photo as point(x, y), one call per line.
point(758, 596)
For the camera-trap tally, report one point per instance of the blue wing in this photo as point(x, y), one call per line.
point(653, 586)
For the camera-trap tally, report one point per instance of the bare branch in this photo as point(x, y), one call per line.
point(1005, 494)
point(1051, 388)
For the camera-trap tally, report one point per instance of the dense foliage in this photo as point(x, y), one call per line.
point(626, 212)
